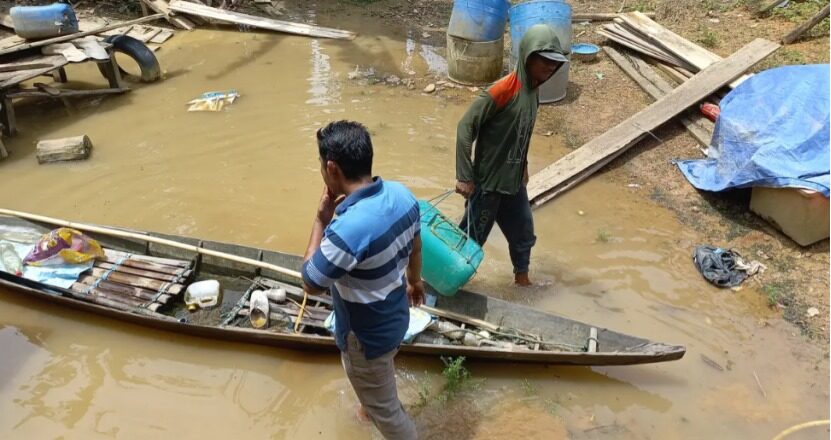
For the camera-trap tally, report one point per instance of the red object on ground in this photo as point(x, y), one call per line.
point(711, 111)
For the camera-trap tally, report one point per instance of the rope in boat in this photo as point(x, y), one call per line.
point(106, 274)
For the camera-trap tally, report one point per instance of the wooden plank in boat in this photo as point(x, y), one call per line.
point(135, 281)
point(137, 272)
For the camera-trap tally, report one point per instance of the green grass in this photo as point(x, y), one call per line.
point(603, 236)
point(772, 291)
point(572, 141)
point(708, 37)
point(528, 388)
point(456, 375)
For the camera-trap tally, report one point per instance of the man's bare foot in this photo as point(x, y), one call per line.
point(521, 279)
point(361, 414)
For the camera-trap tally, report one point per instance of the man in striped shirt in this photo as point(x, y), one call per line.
point(369, 258)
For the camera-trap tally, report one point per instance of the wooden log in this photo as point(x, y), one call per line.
point(132, 280)
point(581, 163)
point(58, 150)
point(163, 8)
point(138, 292)
point(138, 272)
point(804, 27)
point(656, 87)
point(693, 54)
point(71, 37)
point(260, 22)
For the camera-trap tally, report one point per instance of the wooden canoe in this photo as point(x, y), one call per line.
point(559, 340)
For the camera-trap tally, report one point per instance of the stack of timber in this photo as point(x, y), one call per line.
point(127, 281)
point(678, 56)
point(594, 155)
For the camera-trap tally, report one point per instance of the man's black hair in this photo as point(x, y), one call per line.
point(348, 144)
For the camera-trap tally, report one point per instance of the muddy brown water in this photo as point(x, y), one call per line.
point(249, 175)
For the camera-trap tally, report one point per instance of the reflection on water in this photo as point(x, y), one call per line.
point(249, 175)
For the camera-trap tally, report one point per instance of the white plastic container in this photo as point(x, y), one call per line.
point(202, 294)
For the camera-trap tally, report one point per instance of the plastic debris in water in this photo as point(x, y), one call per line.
point(11, 261)
point(213, 101)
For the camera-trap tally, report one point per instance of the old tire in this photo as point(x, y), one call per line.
point(139, 52)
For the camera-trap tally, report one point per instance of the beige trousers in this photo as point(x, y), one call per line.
point(374, 382)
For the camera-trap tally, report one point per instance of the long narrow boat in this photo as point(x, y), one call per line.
point(144, 282)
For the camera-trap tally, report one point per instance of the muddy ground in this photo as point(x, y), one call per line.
point(600, 95)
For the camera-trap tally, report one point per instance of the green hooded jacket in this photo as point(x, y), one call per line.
point(500, 121)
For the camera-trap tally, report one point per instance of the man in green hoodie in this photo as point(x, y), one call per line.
point(500, 122)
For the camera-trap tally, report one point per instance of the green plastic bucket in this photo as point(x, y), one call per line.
point(449, 256)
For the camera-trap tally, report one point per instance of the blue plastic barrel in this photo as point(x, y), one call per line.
point(478, 20)
point(449, 256)
point(557, 15)
point(53, 20)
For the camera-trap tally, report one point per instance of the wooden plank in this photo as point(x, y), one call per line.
point(144, 265)
point(673, 72)
point(634, 45)
point(638, 40)
point(137, 272)
point(696, 56)
point(804, 27)
point(63, 38)
point(122, 290)
point(135, 281)
point(570, 169)
point(656, 87)
point(112, 253)
point(163, 8)
point(132, 290)
point(260, 22)
point(13, 78)
point(163, 36)
point(600, 16)
point(64, 93)
point(25, 66)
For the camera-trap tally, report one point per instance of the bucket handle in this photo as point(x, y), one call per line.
point(442, 197)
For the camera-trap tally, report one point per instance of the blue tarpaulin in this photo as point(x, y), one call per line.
point(773, 131)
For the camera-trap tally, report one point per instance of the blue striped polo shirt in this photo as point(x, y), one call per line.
point(363, 259)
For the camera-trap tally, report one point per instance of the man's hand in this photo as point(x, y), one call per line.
point(465, 188)
point(415, 292)
point(328, 203)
